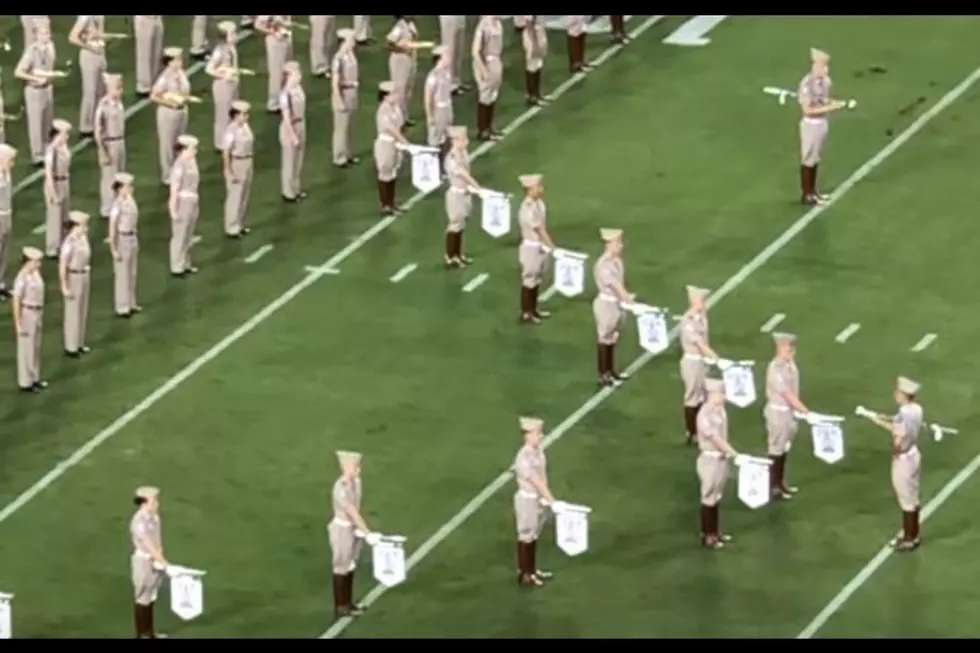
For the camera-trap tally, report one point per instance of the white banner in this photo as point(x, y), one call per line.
point(496, 215)
point(651, 327)
point(828, 441)
point(6, 616)
point(388, 560)
point(739, 384)
point(572, 528)
point(753, 482)
point(186, 592)
point(570, 272)
point(425, 170)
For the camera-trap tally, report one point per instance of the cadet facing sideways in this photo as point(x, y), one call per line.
point(536, 245)
point(110, 139)
point(816, 104)
point(782, 400)
point(292, 133)
point(27, 306)
point(344, 80)
point(459, 203)
point(610, 280)
point(87, 36)
point(147, 562)
point(123, 241)
point(531, 502)
point(712, 464)
point(345, 545)
point(695, 356)
point(73, 272)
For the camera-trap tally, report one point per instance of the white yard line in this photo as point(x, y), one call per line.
point(319, 270)
point(548, 294)
point(924, 342)
point(403, 272)
point(847, 332)
point(259, 253)
point(476, 282)
point(196, 239)
point(716, 296)
point(772, 323)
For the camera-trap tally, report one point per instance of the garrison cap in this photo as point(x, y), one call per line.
point(32, 253)
point(345, 33)
point(241, 106)
point(187, 140)
point(609, 235)
point(818, 55)
point(387, 86)
point(456, 131)
point(147, 492)
point(348, 457)
point(173, 52)
point(112, 79)
point(122, 178)
point(714, 385)
point(530, 423)
point(907, 386)
point(61, 125)
point(694, 293)
point(226, 26)
point(529, 181)
point(78, 217)
point(784, 338)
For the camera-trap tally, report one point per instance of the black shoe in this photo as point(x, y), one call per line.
point(29, 388)
point(86, 134)
point(191, 270)
point(40, 385)
point(290, 200)
point(237, 236)
point(84, 349)
point(72, 354)
point(179, 275)
point(125, 316)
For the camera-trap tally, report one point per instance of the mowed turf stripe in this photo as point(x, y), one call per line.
point(723, 291)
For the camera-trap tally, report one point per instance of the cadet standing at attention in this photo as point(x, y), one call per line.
point(488, 71)
point(28, 312)
point(148, 39)
point(278, 50)
point(815, 102)
point(535, 246)
point(35, 68)
point(452, 30)
point(123, 243)
point(782, 400)
point(577, 30)
point(437, 99)
point(403, 46)
point(535, 40)
point(610, 280)
point(86, 35)
point(57, 187)
point(531, 502)
point(184, 205)
point(223, 69)
point(343, 100)
point(148, 562)
point(73, 271)
point(696, 353)
point(110, 139)
point(239, 147)
point(170, 93)
point(459, 202)
point(29, 25)
point(345, 546)
point(292, 133)
point(7, 156)
point(904, 428)
point(322, 37)
point(362, 30)
point(387, 157)
point(712, 465)
point(199, 38)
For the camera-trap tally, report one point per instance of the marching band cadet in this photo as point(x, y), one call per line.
point(782, 400)
point(618, 24)
point(35, 68)
point(696, 354)
point(223, 68)
point(292, 132)
point(437, 100)
point(123, 243)
point(459, 203)
point(148, 32)
point(236, 157)
point(488, 70)
point(199, 38)
point(322, 37)
point(147, 563)
point(403, 60)
point(712, 465)
point(86, 35)
point(7, 156)
point(535, 244)
point(577, 26)
point(452, 30)
point(278, 50)
point(57, 186)
point(29, 25)
point(170, 93)
point(347, 519)
point(535, 40)
point(344, 81)
point(362, 30)
point(531, 474)
point(28, 311)
point(387, 157)
point(73, 271)
point(904, 428)
point(610, 280)
point(110, 139)
point(815, 102)
point(184, 205)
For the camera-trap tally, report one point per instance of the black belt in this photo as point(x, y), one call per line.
point(112, 138)
point(346, 87)
point(78, 271)
point(126, 233)
point(61, 178)
point(31, 307)
point(243, 156)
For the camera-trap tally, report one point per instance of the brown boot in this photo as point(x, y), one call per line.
point(533, 563)
point(572, 54)
point(383, 195)
point(619, 376)
point(711, 539)
point(526, 577)
point(529, 88)
point(356, 609)
point(482, 122)
point(491, 110)
point(463, 258)
point(600, 357)
point(339, 601)
point(527, 306)
point(618, 29)
point(535, 296)
point(813, 184)
point(139, 620)
point(691, 423)
point(450, 254)
point(705, 520)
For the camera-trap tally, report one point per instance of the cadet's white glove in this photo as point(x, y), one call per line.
point(559, 506)
point(741, 459)
point(372, 538)
point(861, 411)
point(723, 364)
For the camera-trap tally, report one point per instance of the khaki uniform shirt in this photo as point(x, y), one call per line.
point(782, 378)
point(110, 118)
point(490, 35)
point(531, 216)
point(607, 271)
point(530, 463)
point(815, 91)
point(345, 494)
point(694, 332)
point(457, 162)
point(144, 526)
point(29, 289)
point(36, 59)
point(906, 426)
point(712, 423)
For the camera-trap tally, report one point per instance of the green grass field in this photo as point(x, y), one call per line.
point(234, 388)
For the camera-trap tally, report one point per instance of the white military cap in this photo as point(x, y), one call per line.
point(348, 457)
point(907, 386)
point(714, 385)
point(187, 140)
point(439, 51)
point(226, 26)
point(345, 33)
point(609, 235)
point(693, 293)
point(173, 52)
point(32, 253)
point(241, 105)
point(784, 338)
point(530, 423)
point(147, 492)
point(112, 79)
point(7, 151)
point(78, 217)
point(387, 87)
point(61, 124)
point(818, 55)
point(456, 131)
point(122, 178)
point(529, 181)
point(291, 67)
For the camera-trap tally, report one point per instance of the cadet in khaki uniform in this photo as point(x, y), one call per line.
point(535, 40)
point(147, 563)
point(437, 98)
point(184, 205)
point(452, 30)
point(278, 50)
point(57, 187)
point(402, 43)
point(712, 466)
point(577, 30)
point(536, 244)
point(35, 68)
point(148, 31)
point(696, 353)
point(236, 157)
point(387, 157)
point(488, 71)
point(170, 92)
point(110, 139)
point(343, 100)
point(782, 400)
point(123, 241)
point(292, 133)
point(610, 280)
point(344, 544)
point(73, 271)
point(459, 203)
point(362, 30)
point(531, 502)
point(199, 37)
point(322, 37)
point(816, 104)
point(7, 157)
point(223, 69)
point(86, 35)
point(904, 429)
point(27, 303)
